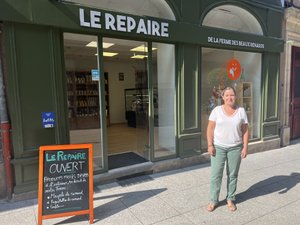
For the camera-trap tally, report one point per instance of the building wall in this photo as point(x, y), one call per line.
point(291, 27)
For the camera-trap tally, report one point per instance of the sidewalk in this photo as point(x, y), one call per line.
point(268, 193)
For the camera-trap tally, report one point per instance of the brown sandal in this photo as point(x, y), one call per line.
point(211, 207)
point(231, 206)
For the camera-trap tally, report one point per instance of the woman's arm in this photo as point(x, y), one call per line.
point(245, 132)
point(210, 137)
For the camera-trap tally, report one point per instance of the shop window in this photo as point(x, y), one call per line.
point(240, 70)
point(153, 8)
point(163, 73)
point(234, 18)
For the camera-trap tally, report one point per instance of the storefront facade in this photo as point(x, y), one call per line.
point(136, 77)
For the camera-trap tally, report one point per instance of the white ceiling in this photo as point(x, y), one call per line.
point(75, 47)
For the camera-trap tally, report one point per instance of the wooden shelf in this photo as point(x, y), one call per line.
point(244, 94)
point(83, 100)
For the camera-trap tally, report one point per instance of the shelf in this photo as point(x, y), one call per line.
point(83, 100)
point(244, 94)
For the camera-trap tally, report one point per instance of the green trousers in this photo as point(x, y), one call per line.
point(232, 158)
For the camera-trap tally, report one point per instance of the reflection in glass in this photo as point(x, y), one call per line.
point(241, 70)
point(163, 68)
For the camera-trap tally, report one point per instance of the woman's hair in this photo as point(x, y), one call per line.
point(228, 88)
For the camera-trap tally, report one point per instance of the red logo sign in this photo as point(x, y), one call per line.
point(233, 69)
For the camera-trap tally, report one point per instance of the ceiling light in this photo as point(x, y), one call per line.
point(93, 44)
point(107, 45)
point(110, 54)
point(141, 48)
point(138, 56)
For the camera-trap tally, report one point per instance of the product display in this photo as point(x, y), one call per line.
point(136, 105)
point(245, 99)
point(83, 100)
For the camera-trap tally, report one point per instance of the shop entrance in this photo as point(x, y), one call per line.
point(125, 93)
point(295, 94)
point(83, 88)
point(127, 102)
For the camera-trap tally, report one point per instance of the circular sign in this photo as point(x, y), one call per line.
point(233, 69)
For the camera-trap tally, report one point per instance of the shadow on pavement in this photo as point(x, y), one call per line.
point(281, 184)
point(110, 208)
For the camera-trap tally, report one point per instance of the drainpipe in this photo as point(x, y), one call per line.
point(5, 134)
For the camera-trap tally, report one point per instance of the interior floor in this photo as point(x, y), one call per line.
point(121, 138)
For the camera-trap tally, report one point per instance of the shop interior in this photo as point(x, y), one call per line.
point(125, 95)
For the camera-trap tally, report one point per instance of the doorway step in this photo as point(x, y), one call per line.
point(117, 173)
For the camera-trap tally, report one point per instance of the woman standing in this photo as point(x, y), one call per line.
point(227, 139)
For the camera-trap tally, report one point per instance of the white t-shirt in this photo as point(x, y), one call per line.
point(228, 130)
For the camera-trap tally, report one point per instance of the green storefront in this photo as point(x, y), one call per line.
point(147, 96)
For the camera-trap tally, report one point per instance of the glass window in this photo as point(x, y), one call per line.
point(242, 71)
point(163, 72)
point(234, 18)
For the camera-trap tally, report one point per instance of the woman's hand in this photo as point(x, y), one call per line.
point(211, 150)
point(244, 152)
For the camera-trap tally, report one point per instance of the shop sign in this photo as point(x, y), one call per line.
point(48, 119)
point(65, 181)
point(232, 42)
point(233, 69)
point(95, 75)
point(108, 21)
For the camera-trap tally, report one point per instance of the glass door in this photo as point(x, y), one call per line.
point(83, 88)
point(127, 101)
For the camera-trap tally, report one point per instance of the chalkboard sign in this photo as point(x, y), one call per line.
point(65, 181)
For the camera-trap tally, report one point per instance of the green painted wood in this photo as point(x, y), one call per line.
point(35, 85)
point(52, 13)
point(189, 86)
point(270, 95)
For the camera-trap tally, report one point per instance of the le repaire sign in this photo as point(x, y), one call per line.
point(108, 21)
point(65, 181)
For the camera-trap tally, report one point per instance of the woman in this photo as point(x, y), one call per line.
point(227, 139)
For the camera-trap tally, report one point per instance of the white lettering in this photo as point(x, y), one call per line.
point(155, 28)
point(66, 167)
point(95, 19)
point(124, 23)
point(121, 23)
point(82, 22)
point(164, 29)
point(224, 41)
point(131, 24)
point(149, 26)
point(141, 27)
point(109, 22)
